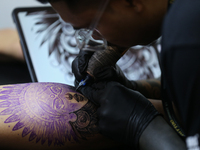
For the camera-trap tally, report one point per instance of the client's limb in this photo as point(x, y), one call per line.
point(48, 116)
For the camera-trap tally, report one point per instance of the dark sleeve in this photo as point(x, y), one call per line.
point(180, 61)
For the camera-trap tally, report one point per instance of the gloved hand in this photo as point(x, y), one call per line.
point(80, 64)
point(112, 73)
point(123, 113)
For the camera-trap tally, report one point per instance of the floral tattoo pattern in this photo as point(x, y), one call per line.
point(48, 112)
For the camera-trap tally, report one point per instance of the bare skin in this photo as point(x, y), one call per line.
point(48, 116)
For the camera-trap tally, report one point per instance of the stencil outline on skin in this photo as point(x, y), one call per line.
point(49, 112)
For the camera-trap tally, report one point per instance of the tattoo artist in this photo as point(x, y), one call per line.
point(125, 114)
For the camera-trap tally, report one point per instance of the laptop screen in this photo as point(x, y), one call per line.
point(48, 44)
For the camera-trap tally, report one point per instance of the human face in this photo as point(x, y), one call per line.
point(121, 24)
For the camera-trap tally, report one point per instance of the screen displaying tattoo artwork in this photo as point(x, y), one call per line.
point(48, 112)
point(52, 47)
point(141, 62)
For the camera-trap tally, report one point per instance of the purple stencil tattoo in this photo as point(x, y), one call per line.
point(48, 112)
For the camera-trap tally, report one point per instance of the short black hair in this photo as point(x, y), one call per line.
point(47, 1)
point(69, 2)
point(43, 1)
point(75, 4)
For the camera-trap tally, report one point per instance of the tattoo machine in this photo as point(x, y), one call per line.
point(104, 55)
point(100, 58)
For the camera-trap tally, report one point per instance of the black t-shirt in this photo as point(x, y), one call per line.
point(180, 62)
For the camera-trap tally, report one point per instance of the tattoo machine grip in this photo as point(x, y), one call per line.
point(107, 57)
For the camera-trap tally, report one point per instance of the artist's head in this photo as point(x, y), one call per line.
point(124, 22)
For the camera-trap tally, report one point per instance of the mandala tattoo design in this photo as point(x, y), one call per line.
point(48, 112)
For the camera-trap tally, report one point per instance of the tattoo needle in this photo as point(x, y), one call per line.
point(84, 82)
point(85, 38)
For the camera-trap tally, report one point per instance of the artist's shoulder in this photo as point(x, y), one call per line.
point(181, 24)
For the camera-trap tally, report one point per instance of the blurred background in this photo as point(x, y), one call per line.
point(7, 7)
point(13, 68)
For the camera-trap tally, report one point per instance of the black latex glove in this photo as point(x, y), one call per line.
point(123, 113)
point(80, 64)
point(112, 73)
